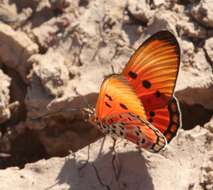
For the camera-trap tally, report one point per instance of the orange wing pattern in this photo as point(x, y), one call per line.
point(116, 96)
point(152, 71)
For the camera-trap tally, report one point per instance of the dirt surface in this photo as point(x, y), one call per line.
point(54, 54)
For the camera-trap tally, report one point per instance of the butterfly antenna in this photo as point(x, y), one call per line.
point(113, 70)
point(67, 110)
point(83, 98)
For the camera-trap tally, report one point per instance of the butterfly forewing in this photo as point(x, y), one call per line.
point(152, 72)
point(117, 96)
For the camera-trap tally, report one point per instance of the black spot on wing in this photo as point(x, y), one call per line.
point(158, 94)
point(109, 106)
point(132, 75)
point(109, 97)
point(152, 113)
point(123, 106)
point(146, 84)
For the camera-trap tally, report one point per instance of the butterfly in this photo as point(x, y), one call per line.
point(139, 103)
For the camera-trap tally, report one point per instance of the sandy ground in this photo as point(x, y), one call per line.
point(185, 164)
point(54, 54)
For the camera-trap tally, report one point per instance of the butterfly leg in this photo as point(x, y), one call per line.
point(115, 161)
point(85, 162)
point(139, 149)
point(114, 143)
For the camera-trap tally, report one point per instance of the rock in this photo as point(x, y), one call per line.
point(198, 88)
point(140, 10)
point(60, 4)
point(209, 125)
point(209, 49)
point(5, 113)
point(203, 13)
point(159, 2)
point(191, 29)
point(16, 49)
point(8, 14)
point(162, 20)
point(188, 53)
point(51, 71)
point(49, 33)
point(48, 81)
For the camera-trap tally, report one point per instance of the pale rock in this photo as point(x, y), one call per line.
point(209, 125)
point(162, 20)
point(16, 49)
point(48, 34)
point(159, 2)
point(5, 113)
point(191, 29)
point(49, 78)
point(140, 10)
point(8, 14)
point(209, 49)
point(51, 72)
point(194, 84)
point(203, 13)
point(187, 53)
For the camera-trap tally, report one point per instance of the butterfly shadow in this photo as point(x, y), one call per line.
point(123, 171)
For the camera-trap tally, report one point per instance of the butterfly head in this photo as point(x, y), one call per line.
point(89, 115)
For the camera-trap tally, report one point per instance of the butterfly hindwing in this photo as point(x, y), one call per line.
point(167, 119)
point(152, 72)
point(134, 129)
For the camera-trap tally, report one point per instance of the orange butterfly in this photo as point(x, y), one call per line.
point(139, 104)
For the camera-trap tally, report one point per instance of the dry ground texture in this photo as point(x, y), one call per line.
point(54, 54)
